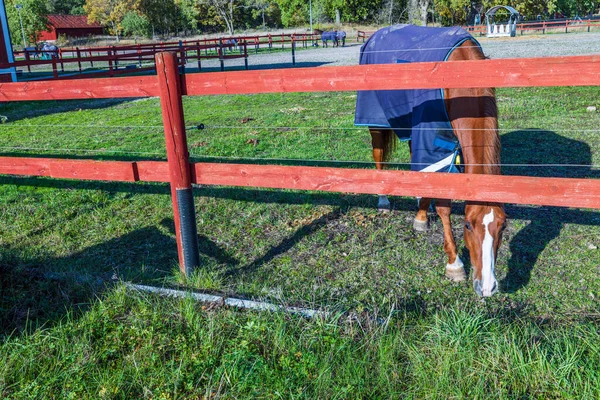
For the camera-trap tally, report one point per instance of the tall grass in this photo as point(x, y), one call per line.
point(133, 345)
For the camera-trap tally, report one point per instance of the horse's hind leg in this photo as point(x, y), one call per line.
point(421, 222)
point(454, 268)
point(378, 139)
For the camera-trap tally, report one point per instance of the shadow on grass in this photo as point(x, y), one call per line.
point(41, 290)
point(287, 243)
point(16, 111)
point(535, 146)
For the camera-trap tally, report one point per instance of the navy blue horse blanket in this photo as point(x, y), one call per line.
point(416, 115)
point(325, 36)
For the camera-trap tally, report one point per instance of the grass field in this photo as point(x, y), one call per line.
point(70, 328)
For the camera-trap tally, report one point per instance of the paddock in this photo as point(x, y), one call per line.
point(562, 71)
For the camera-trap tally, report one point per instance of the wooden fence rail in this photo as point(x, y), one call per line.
point(534, 72)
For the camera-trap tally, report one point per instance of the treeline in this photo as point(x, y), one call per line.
point(171, 17)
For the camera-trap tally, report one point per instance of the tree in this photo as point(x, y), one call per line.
point(417, 11)
point(188, 13)
point(452, 12)
point(259, 8)
point(73, 7)
point(34, 16)
point(135, 24)
point(294, 12)
point(224, 9)
point(110, 13)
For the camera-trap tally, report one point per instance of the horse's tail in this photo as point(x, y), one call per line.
point(390, 143)
point(384, 139)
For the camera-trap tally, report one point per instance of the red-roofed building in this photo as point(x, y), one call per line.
point(70, 26)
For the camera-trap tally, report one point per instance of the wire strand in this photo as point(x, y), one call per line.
point(297, 160)
point(388, 163)
point(21, 148)
point(396, 129)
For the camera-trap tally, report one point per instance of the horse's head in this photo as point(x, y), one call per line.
point(484, 224)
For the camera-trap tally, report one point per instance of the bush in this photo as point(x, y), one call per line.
point(135, 24)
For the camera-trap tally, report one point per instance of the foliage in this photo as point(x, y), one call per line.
point(135, 24)
point(33, 15)
point(572, 8)
point(188, 16)
point(110, 12)
point(293, 12)
point(73, 7)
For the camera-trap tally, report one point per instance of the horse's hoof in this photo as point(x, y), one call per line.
point(456, 272)
point(384, 205)
point(420, 226)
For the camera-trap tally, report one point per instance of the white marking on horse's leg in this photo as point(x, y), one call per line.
point(420, 226)
point(456, 270)
point(383, 203)
point(488, 284)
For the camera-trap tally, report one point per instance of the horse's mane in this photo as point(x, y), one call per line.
point(491, 149)
point(487, 110)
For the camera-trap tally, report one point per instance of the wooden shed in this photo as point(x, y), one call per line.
point(70, 26)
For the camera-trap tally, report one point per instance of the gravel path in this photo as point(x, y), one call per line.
point(518, 47)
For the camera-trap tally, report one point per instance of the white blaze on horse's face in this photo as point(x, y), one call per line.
point(488, 258)
point(483, 235)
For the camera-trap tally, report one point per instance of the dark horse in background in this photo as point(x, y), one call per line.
point(453, 122)
point(335, 36)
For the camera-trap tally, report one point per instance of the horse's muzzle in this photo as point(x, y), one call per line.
point(479, 289)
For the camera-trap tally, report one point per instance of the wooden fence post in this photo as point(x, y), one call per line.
point(199, 55)
point(114, 52)
point(182, 54)
point(60, 57)
point(220, 52)
point(54, 67)
point(293, 52)
point(110, 63)
point(78, 58)
point(178, 160)
point(27, 58)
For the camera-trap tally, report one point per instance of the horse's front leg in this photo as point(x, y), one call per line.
point(454, 268)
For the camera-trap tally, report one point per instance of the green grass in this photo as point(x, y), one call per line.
point(70, 328)
point(132, 346)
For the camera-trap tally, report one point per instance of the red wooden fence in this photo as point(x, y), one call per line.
point(193, 50)
point(558, 71)
point(542, 26)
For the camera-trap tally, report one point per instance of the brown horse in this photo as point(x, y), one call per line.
point(473, 115)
